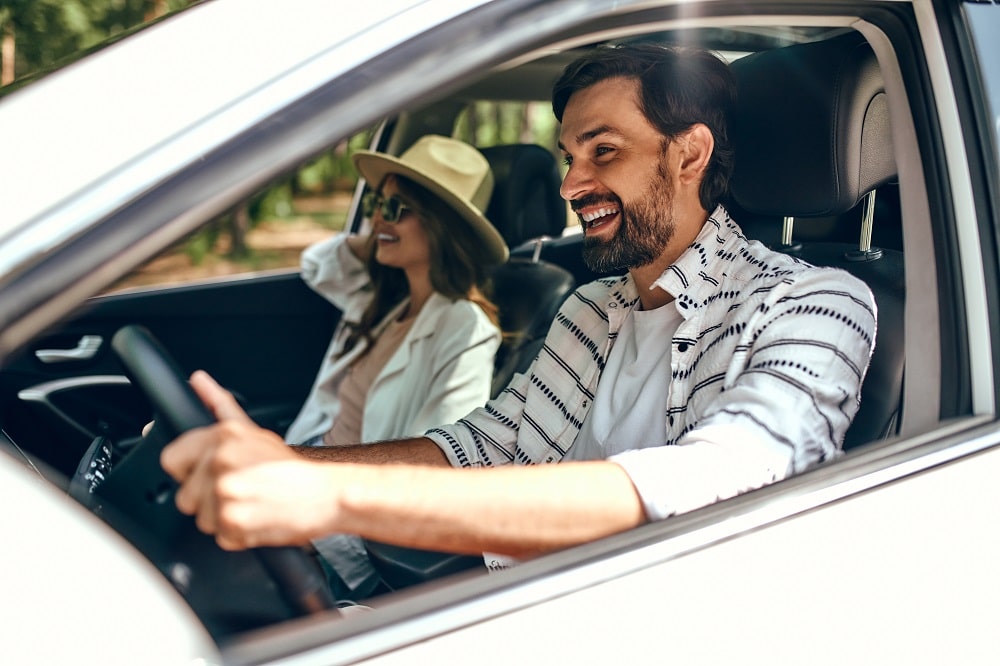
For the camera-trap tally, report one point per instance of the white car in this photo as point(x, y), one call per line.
point(867, 138)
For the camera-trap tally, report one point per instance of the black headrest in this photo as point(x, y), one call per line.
point(811, 128)
point(525, 202)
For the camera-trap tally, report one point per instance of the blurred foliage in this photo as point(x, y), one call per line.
point(493, 123)
point(332, 171)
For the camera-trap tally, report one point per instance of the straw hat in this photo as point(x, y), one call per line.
point(451, 169)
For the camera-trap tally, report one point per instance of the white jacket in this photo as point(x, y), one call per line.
point(441, 372)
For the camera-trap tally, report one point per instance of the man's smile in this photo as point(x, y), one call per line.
point(595, 218)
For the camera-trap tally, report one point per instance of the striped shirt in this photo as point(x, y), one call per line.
point(770, 356)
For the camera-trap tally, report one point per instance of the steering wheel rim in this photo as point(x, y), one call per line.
point(178, 409)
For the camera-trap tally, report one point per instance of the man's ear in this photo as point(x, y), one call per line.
point(696, 146)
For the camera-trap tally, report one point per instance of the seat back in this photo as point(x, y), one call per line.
point(812, 140)
point(526, 203)
point(528, 292)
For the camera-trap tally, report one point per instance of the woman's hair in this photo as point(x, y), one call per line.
point(457, 270)
point(679, 87)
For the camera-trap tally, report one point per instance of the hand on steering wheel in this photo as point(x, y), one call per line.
point(178, 410)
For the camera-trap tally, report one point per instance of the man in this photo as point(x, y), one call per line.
point(714, 366)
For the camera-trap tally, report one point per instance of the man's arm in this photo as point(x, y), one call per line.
point(415, 451)
point(244, 485)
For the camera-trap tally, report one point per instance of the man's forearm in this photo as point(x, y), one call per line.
point(511, 510)
point(416, 451)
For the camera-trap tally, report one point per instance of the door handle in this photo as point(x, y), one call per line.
point(85, 350)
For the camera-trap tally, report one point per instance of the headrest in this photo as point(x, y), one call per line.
point(526, 202)
point(810, 129)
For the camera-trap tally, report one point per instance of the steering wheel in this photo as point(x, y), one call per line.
point(138, 496)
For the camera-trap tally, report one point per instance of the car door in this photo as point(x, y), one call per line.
point(262, 336)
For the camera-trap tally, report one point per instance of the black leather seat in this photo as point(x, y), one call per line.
point(812, 140)
point(525, 205)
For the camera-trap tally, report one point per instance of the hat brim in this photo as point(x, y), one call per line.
point(374, 167)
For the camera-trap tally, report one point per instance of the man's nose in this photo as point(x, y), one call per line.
point(578, 181)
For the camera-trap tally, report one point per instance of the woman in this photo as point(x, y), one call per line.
point(417, 331)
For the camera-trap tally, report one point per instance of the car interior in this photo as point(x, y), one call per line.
point(816, 177)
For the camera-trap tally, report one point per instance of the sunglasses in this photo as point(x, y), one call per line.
point(392, 208)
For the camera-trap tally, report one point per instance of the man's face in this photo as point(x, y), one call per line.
point(618, 181)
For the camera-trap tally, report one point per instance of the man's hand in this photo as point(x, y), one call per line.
point(243, 483)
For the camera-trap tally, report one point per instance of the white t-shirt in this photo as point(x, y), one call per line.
point(631, 399)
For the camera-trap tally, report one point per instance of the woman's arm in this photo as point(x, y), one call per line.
point(335, 270)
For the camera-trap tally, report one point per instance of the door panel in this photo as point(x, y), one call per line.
point(263, 337)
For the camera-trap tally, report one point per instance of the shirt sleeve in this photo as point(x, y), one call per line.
point(331, 270)
point(487, 436)
point(783, 409)
point(715, 463)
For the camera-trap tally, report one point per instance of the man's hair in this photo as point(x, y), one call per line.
point(679, 87)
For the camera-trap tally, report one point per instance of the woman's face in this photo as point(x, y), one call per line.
point(401, 244)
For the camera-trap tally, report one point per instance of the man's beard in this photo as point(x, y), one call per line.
point(644, 229)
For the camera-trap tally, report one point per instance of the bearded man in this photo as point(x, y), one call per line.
point(711, 367)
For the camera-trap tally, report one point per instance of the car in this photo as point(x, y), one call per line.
point(867, 138)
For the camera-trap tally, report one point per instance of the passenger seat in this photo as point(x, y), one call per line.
point(525, 205)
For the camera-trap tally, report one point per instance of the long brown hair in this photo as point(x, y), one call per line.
point(457, 268)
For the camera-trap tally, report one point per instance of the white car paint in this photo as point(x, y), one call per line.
point(73, 591)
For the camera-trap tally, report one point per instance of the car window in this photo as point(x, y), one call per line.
point(983, 25)
point(268, 230)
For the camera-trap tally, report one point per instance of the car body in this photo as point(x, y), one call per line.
point(886, 554)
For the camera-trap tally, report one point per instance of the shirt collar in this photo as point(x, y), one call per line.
point(698, 272)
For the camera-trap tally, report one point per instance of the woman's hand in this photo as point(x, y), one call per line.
point(358, 244)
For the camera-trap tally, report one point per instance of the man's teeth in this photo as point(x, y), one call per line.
point(387, 237)
point(599, 213)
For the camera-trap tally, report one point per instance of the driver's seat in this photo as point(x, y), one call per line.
point(813, 142)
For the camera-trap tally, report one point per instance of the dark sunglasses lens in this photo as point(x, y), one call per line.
point(392, 208)
point(368, 203)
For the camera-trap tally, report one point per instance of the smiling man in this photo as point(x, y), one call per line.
point(712, 366)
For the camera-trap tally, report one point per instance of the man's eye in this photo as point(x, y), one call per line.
point(567, 160)
point(600, 151)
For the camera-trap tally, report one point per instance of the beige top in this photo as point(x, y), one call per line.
point(353, 391)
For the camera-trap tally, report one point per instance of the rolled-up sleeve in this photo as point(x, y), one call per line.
point(785, 400)
point(487, 436)
point(331, 269)
point(717, 463)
